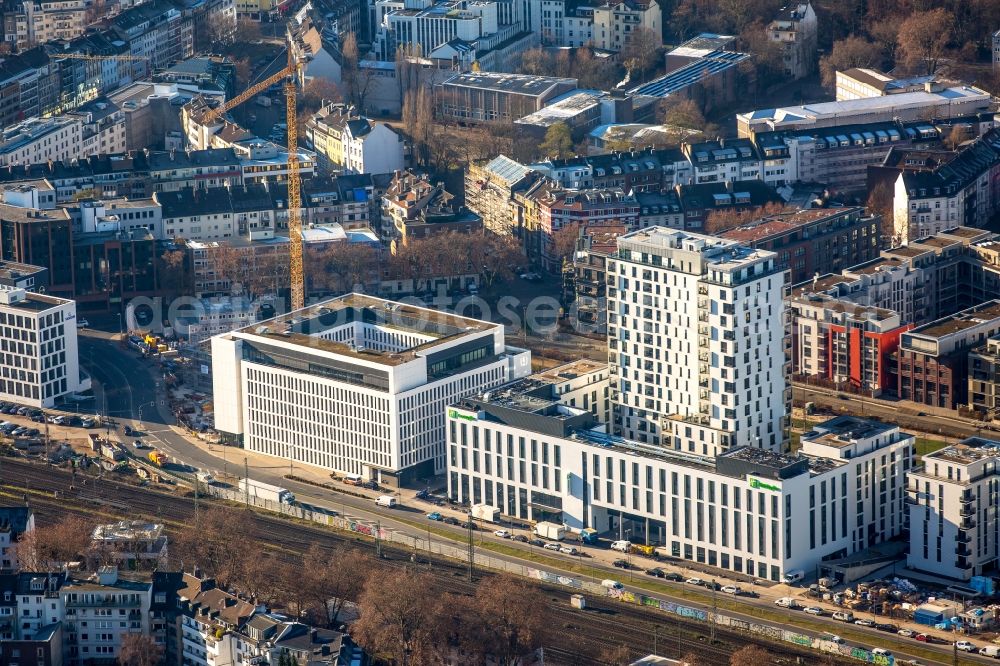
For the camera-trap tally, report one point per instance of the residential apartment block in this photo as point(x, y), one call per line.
point(356, 384)
point(696, 342)
point(15, 522)
point(846, 327)
point(933, 359)
point(616, 20)
point(794, 29)
point(814, 241)
point(953, 527)
point(960, 190)
point(344, 140)
point(36, 140)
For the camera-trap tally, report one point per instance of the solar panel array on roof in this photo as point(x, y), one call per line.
point(712, 64)
point(508, 169)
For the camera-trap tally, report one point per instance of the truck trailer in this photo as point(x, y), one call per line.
point(550, 531)
point(266, 491)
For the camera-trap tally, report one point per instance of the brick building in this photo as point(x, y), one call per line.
point(932, 360)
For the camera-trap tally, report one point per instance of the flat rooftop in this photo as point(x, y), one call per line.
point(571, 370)
point(961, 321)
point(522, 84)
point(967, 451)
point(842, 431)
point(806, 113)
point(720, 252)
point(304, 327)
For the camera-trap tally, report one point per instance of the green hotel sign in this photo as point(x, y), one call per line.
point(455, 414)
point(760, 485)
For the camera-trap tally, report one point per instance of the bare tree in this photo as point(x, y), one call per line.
point(398, 622)
point(317, 92)
point(215, 540)
point(139, 650)
point(247, 31)
point(330, 578)
point(641, 52)
point(513, 619)
point(51, 546)
point(349, 66)
point(616, 656)
point(880, 202)
point(849, 53)
point(923, 39)
point(173, 272)
point(751, 655)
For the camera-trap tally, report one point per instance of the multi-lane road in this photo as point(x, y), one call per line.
point(132, 394)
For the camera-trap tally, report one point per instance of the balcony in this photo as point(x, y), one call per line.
point(966, 511)
point(963, 537)
point(966, 498)
point(967, 523)
point(962, 550)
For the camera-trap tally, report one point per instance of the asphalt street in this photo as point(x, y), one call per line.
point(133, 395)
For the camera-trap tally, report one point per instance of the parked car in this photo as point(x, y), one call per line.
point(74, 421)
point(844, 616)
point(520, 538)
point(128, 431)
point(674, 576)
point(864, 622)
point(814, 610)
point(621, 564)
point(695, 581)
point(569, 550)
point(38, 418)
point(551, 546)
point(906, 633)
point(23, 411)
point(923, 638)
point(731, 589)
point(656, 572)
point(31, 432)
point(503, 534)
point(87, 423)
point(469, 525)
point(536, 542)
point(965, 646)
point(434, 515)
point(451, 521)
point(881, 652)
point(887, 627)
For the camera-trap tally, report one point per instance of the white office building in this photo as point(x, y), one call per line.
point(696, 337)
point(39, 361)
point(952, 501)
point(356, 384)
point(748, 510)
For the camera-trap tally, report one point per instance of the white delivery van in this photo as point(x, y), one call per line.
point(621, 546)
point(990, 651)
point(793, 577)
point(612, 584)
point(786, 602)
point(387, 501)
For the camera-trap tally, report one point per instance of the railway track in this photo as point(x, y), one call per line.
point(582, 635)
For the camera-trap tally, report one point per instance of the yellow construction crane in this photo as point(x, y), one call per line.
point(289, 75)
